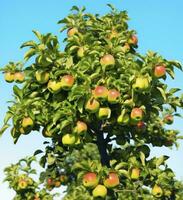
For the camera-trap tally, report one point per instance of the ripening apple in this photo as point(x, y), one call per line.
point(92, 105)
point(125, 48)
point(133, 40)
point(159, 71)
point(80, 52)
point(67, 82)
point(141, 84)
point(54, 86)
point(9, 77)
point(51, 159)
point(19, 77)
point(104, 113)
point(157, 191)
point(100, 92)
point(68, 139)
point(90, 179)
point(100, 191)
point(47, 133)
point(81, 127)
point(135, 173)
point(136, 114)
point(123, 119)
point(141, 126)
point(57, 184)
point(72, 31)
point(107, 60)
point(27, 122)
point(42, 77)
point(129, 103)
point(50, 181)
point(63, 179)
point(113, 96)
point(168, 119)
point(112, 180)
point(22, 184)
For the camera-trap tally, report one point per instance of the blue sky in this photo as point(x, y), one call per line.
point(159, 26)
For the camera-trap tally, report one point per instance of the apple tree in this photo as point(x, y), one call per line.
point(102, 105)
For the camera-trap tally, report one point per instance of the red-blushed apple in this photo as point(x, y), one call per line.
point(133, 40)
point(19, 77)
point(100, 191)
point(113, 96)
point(157, 191)
point(159, 71)
point(136, 114)
point(68, 139)
point(54, 86)
point(9, 77)
point(141, 84)
point(168, 119)
point(107, 60)
point(42, 77)
point(92, 105)
point(141, 126)
point(67, 82)
point(50, 182)
point(72, 31)
point(81, 127)
point(135, 173)
point(112, 180)
point(27, 122)
point(100, 92)
point(90, 179)
point(104, 113)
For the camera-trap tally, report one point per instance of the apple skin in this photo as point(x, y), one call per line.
point(100, 191)
point(57, 184)
point(159, 71)
point(67, 82)
point(22, 184)
point(113, 96)
point(92, 105)
point(81, 127)
point(133, 40)
point(90, 180)
point(107, 60)
point(157, 191)
point(123, 119)
point(141, 84)
point(63, 179)
point(68, 139)
point(42, 77)
point(112, 180)
point(168, 119)
point(19, 77)
point(54, 86)
point(136, 114)
point(50, 182)
point(9, 77)
point(80, 52)
point(135, 173)
point(104, 113)
point(100, 92)
point(27, 122)
point(72, 31)
point(141, 126)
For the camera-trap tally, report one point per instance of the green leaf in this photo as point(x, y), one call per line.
point(38, 35)
point(7, 117)
point(17, 91)
point(30, 43)
point(142, 158)
point(162, 93)
point(38, 152)
point(31, 52)
point(161, 160)
point(2, 130)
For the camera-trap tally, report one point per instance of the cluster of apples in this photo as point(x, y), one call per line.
point(18, 77)
point(23, 182)
point(99, 94)
point(56, 182)
point(92, 181)
point(74, 138)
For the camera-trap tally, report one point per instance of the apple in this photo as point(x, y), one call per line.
point(47, 133)
point(157, 191)
point(51, 159)
point(125, 48)
point(168, 119)
point(100, 92)
point(107, 60)
point(123, 119)
point(141, 84)
point(67, 82)
point(129, 103)
point(136, 114)
point(100, 191)
point(9, 77)
point(133, 40)
point(57, 184)
point(27, 122)
point(112, 180)
point(135, 173)
point(80, 52)
point(104, 113)
point(54, 86)
point(50, 182)
point(68, 139)
point(90, 179)
point(159, 71)
point(63, 178)
point(42, 77)
point(81, 127)
point(19, 77)
point(113, 96)
point(72, 31)
point(92, 105)
point(22, 184)
point(141, 126)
